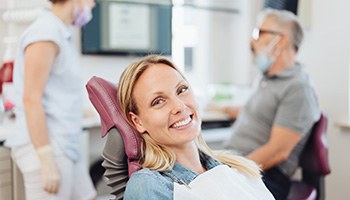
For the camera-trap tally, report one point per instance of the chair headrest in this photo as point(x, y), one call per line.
point(315, 154)
point(103, 96)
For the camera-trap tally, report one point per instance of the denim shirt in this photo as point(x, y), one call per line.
point(147, 184)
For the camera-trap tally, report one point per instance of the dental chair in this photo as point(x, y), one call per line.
point(314, 165)
point(123, 146)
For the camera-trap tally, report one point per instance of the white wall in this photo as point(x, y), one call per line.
point(326, 55)
point(107, 67)
point(229, 60)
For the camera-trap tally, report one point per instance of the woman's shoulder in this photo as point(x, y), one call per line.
point(148, 177)
point(144, 172)
point(148, 184)
point(44, 28)
point(45, 21)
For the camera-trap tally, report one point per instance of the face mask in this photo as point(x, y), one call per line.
point(262, 61)
point(82, 17)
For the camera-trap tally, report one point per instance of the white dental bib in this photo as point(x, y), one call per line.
point(224, 183)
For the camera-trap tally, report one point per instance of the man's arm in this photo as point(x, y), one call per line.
point(277, 149)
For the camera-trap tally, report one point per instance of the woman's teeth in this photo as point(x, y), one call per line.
point(182, 123)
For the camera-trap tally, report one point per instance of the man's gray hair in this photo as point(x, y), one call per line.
point(287, 21)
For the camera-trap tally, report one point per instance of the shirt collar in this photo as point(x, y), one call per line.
point(290, 71)
point(185, 174)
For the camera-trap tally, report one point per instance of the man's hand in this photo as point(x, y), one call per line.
point(231, 111)
point(50, 176)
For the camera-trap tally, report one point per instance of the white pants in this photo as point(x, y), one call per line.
point(75, 180)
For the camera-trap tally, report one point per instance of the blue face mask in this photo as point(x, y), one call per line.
point(262, 61)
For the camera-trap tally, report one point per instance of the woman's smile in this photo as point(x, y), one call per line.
point(182, 123)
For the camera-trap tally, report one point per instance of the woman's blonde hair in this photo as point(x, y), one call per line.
point(156, 156)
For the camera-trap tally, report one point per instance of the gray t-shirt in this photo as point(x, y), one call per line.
point(286, 99)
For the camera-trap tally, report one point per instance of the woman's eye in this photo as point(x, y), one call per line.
point(182, 89)
point(157, 102)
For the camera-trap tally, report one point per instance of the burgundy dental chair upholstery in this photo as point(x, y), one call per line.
point(123, 146)
point(314, 165)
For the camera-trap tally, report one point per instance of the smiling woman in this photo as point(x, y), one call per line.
point(157, 100)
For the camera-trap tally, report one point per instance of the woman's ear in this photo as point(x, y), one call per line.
point(137, 122)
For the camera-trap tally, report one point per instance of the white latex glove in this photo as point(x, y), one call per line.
point(50, 176)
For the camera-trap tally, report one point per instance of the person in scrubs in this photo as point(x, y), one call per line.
point(48, 85)
point(157, 100)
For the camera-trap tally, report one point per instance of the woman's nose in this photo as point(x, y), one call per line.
point(178, 105)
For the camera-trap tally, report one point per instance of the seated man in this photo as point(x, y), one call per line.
point(274, 125)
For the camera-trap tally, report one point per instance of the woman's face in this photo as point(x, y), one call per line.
point(167, 110)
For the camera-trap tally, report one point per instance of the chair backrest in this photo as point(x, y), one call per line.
point(314, 157)
point(103, 96)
